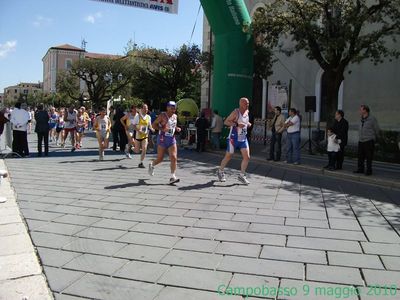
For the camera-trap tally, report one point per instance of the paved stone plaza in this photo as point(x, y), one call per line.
point(107, 230)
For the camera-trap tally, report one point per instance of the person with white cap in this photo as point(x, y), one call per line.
point(238, 121)
point(166, 123)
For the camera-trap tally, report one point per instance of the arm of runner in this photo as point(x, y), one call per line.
point(96, 124)
point(231, 119)
point(123, 121)
point(156, 123)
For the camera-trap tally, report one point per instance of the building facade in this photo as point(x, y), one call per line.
point(56, 59)
point(376, 86)
point(21, 91)
point(61, 58)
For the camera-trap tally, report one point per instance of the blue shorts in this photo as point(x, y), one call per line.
point(80, 129)
point(233, 144)
point(165, 141)
point(52, 125)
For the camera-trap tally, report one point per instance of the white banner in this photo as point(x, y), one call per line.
point(167, 6)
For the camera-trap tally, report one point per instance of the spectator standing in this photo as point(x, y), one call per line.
point(341, 129)
point(277, 128)
point(20, 119)
point(368, 133)
point(3, 119)
point(119, 129)
point(292, 126)
point(114, 132)
point(333, 149)
point(42, 129)
point(216, 128)
point(202, 125)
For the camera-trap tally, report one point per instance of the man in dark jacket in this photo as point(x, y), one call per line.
point(341, 129)
point(202, 125)
point(42, 129)
point(369, 132)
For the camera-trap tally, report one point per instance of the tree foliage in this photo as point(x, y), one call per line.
point(335, 33)
point(161, 76)
point(102, 77)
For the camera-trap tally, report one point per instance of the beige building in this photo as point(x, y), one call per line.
point(376, 86)
point(21, 90)
point(56, 59)
point(60, 58)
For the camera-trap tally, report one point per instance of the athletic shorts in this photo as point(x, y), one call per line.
point(102, 135)
point(141, 140)
point(69, 130)
point(80, 129)
point(233, 144)
point(59, 129)
point(52, 125)
point(166, 141)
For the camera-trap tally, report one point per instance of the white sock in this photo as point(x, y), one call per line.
point(173, 175)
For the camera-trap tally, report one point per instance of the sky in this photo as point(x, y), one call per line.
point(28, 28)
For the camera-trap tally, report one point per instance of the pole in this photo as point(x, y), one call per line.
point(264, 99)
point(290, 95)
point(309, 132)
point(209, 72)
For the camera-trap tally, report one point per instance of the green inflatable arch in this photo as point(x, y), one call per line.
point(233, 52)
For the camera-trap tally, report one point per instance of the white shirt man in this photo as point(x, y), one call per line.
point(19, 119)
point(295, 127)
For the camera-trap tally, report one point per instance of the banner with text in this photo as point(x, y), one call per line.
point(167, 6)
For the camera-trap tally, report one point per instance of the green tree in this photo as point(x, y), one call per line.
point(334, 33)
point(103, 78)
point(161, 76)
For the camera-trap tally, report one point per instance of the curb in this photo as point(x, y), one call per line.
point(394, 185)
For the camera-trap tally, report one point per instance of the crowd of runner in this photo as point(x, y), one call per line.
point(69, 125)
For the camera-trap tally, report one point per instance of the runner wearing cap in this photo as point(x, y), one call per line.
point(166, 123)
point(238, 121)
point(142, 122)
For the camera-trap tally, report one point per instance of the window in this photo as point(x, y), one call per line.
point(25, 92)
point(68, 64)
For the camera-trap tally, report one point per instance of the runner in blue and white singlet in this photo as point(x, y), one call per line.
point(238, 121)
point(166, 123)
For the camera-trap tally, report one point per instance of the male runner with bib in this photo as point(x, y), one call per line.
point(238, 121)
point(142, 122)
point(166, 123)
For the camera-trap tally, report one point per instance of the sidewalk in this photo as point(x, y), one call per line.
point(21, 276)
point(384, 174)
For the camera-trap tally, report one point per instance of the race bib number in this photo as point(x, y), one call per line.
point(144, 129)
point(103, 127)
point(170, 132)
point(242, 134)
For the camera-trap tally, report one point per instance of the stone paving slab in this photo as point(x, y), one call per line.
point(20, 272)
point(113, 232)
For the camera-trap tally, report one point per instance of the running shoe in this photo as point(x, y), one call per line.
point(141, 165)
point(221, 176)
point(128, 155)
point(242, 178)
point(173, 180)
point(151, 169)
point(73, 149)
